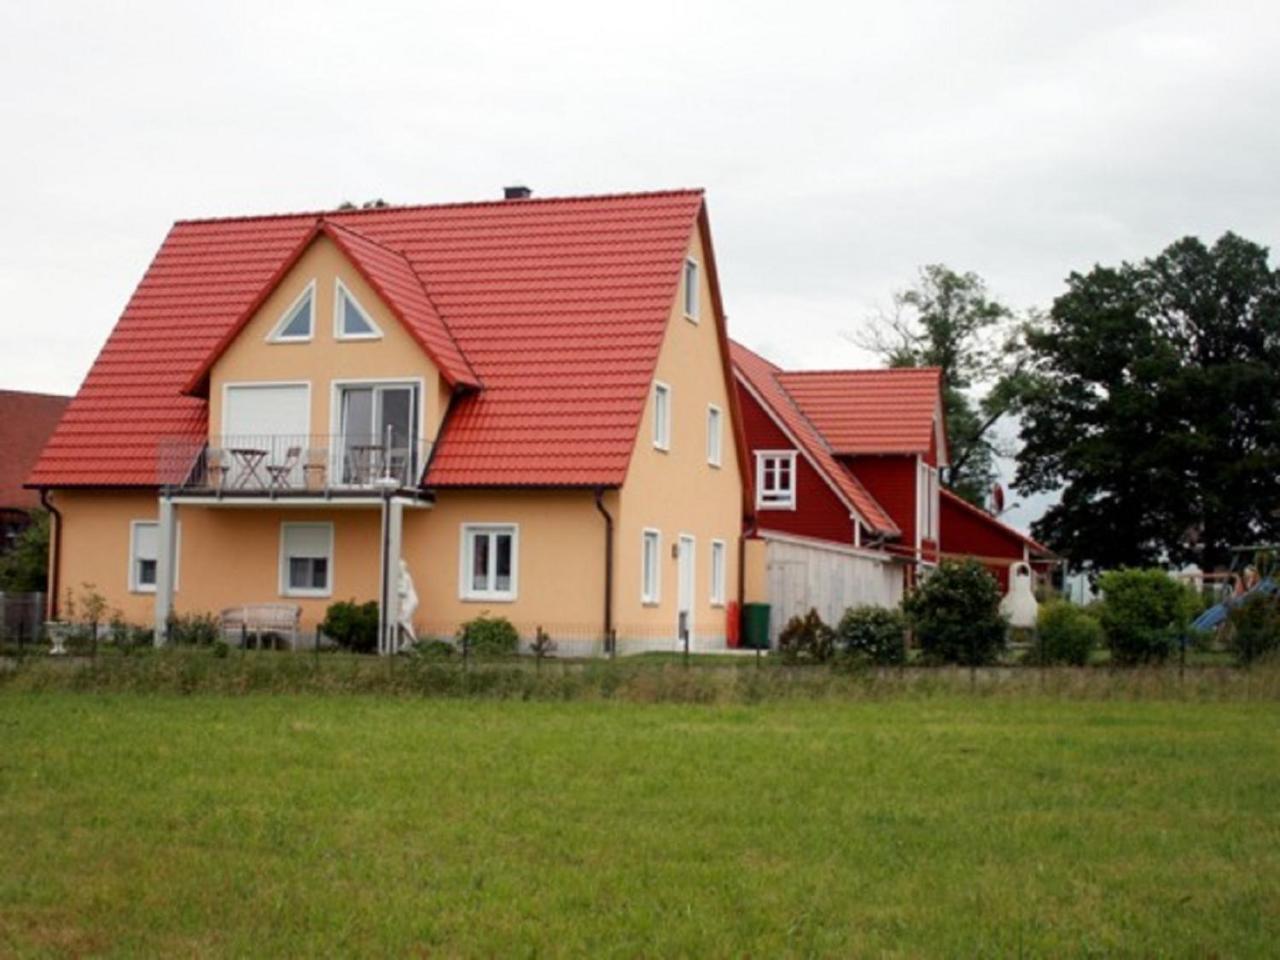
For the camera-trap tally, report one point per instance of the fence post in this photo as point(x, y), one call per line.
point(93, 639)
point(684, 636)
point(244, 637)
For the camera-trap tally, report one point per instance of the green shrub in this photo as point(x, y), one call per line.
point(1254, 629)
point(1145, 614)
point(807, 640)
point(876, 635)
point(433, 649)
point(956, 615)
point(194, 629)
point(1067, 634)
point(352, 626)
point(489, 636)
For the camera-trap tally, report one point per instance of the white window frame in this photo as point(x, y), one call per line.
point(465, 590)
point(662, 417)
point(340, 290)
point(929, 505)
point(277, 332)
point(689, 289)
point(763, 501)
point(715, 435)
point(135, 584)
point(285, 556)
point(719, 566)
point(651, 593)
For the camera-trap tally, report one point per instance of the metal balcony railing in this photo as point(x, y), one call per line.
point(271, 464)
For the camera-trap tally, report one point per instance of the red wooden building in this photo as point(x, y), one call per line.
point(848, 504)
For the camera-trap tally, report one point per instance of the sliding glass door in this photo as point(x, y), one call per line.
point(379, 429)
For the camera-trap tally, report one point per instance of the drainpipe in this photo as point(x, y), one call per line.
point(55, 558)
point(608, 564)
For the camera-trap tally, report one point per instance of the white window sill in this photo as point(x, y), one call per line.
point(280, 340)
point(343, 337)
point(307, 593)
point(717, 604)
point(650, 603)
point(691, 318)
point(775, 506)
point(488, 598)
point(662, 449)
point(143, 590)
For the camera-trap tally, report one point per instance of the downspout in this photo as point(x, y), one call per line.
point(608, 564)
point(55, 558)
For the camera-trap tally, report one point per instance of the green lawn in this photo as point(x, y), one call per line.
point(309, 826)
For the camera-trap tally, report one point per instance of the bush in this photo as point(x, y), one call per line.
point(489, 636)
point(1145, 614)
point(1254, 628)
point(807, 640)
point(352, 626)
point(875, 635)
point(955, 612)
point(1068, 634)
point(194, 629)
point(433, 649)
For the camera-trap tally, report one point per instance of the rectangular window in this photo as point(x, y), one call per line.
point(928, 502)
point(661, 416)
point(717, 572)
point(144, 554)
point(490, 557)
point(650, 568)
point(691, 290)
point(713, 435)
point(776, 480)
point(306, 559)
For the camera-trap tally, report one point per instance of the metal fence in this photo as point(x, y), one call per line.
point(21, 618)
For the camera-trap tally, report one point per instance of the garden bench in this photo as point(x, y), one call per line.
point(260, 620)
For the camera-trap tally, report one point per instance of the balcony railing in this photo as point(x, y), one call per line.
point(274, 464)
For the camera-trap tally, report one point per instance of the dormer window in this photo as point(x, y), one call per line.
point(351, 321)
point(298, 321)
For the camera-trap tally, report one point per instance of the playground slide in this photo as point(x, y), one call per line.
point(1217, 614)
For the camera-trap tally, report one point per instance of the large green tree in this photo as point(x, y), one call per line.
point(1153, 404)
point(949, 320)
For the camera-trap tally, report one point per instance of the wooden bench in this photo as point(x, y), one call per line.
point(261, 620)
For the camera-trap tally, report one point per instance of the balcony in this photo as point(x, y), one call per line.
point(276, 465)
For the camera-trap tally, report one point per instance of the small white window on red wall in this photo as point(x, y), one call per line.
point(776, 480)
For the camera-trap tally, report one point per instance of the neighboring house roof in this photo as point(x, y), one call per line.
point(765, 380)
point(27, 420)
point(993, 524)
point(861, 412)
point(557, 307)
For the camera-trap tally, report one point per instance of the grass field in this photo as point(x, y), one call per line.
point(950, 826)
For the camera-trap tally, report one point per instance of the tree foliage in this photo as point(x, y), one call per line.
point(1145, 614)
point(949, 320)
point(1153, 401)
point(24, 568)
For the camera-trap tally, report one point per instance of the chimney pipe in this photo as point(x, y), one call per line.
point(516, 193)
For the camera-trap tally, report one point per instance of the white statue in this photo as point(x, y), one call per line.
point(1019, 604)
point(408, 603)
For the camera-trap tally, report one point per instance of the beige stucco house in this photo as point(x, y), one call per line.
point(528, 402)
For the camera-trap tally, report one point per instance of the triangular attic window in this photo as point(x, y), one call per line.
point(353, 322)
point(296, 322)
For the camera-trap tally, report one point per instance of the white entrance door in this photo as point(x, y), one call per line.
point(260, 424)
point(685, 587)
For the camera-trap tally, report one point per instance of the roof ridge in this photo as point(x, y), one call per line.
point(400, 208)
point(35, 393)
point(826, 371)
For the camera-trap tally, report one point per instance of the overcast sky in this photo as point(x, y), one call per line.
point(842, 145)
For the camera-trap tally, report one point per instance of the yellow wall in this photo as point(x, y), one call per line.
point(230, 555)
point(677, 491)
point(755, 585)
point(323, 359)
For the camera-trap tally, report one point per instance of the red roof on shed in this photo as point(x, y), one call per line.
point(27, 420)
point(869, 411)
point(558, 307)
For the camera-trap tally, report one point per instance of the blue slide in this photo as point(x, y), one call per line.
point(1217, 614)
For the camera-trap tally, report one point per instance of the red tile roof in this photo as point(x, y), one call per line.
point(869, 411)
point(766, 381)
point(27, 420)
point(556, 306)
